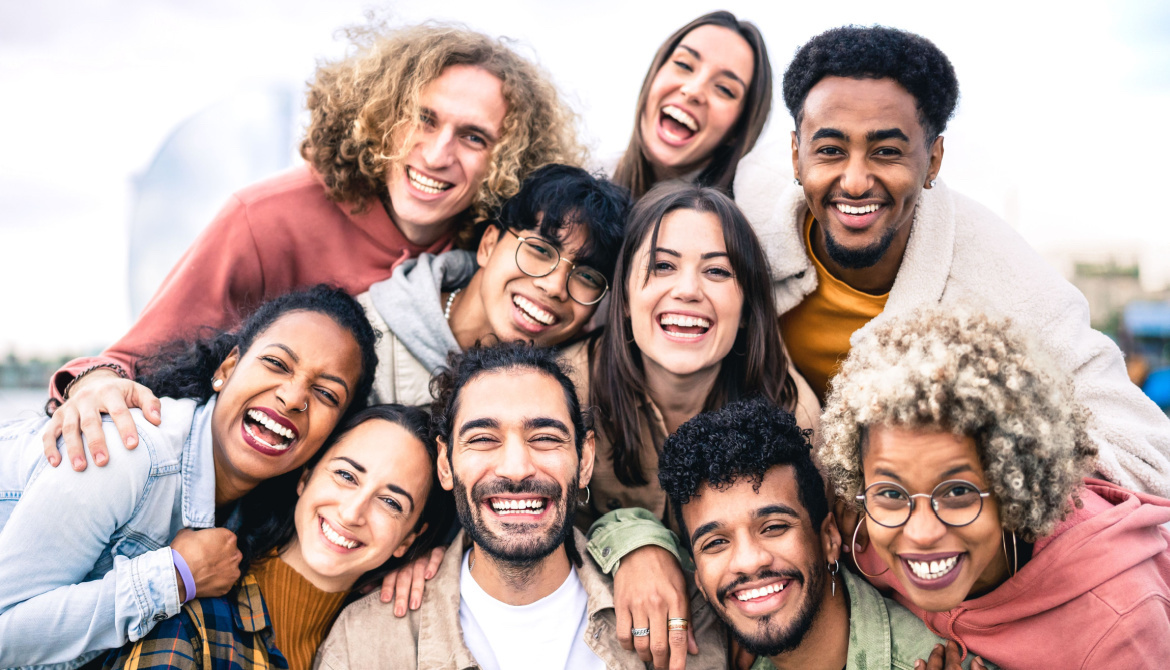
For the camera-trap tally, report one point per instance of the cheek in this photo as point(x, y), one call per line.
point(723, 118)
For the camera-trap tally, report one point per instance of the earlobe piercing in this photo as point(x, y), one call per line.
point(797, 181)
point(931, 184)
point(217, 384)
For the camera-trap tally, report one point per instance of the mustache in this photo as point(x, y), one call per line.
point(535, 487)
point(724, 591)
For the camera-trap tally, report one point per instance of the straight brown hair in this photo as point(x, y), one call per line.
point(634, 170)
point(756, 364)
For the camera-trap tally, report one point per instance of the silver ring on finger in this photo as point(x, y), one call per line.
point(640, 632)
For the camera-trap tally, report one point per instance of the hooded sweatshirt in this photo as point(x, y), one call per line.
point(1096, 593)
point(407, 311)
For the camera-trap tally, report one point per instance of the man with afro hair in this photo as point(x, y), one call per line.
point(869, 231)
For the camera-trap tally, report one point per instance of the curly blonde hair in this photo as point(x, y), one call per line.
point(360, 105)
point(971, 375)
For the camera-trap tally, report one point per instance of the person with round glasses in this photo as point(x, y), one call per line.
point(543, 264)
point(967, 457)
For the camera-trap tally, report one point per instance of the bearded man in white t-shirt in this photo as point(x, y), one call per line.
point(512, 591)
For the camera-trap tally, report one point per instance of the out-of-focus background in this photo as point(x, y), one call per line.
point(125, 125)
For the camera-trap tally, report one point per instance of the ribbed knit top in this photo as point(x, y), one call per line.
point(301, 613)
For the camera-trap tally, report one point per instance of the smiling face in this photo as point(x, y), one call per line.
point(940, 566)
point(760, 561)
point(513, 464)
point(863, 159)
point(281, 398)
point(686, 314)
point(359, 505)
point(450, 151)
point(695, 99)
point(520, 307)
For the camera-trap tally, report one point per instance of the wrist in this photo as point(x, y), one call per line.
point(185, 580)
point(111, 370)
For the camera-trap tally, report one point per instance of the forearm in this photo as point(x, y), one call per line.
point(620, 532)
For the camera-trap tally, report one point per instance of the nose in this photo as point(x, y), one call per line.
point(924, 528)
point(515, 460)
point(438, 147)
point(748, 557)
point(293, 396)
point(556, 283)
point(688, 286)
point(692, 89)
point(352, 509)
point(857, 178)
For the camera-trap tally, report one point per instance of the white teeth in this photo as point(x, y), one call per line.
point(533, 312)
point(517, 506)
point(752, 594)
point(335, 537)
point(426, 184)
point(932, 569)
point(266, 421)
point(684, 321)
point(278, 447)
point(682, 117)
point(848, 209)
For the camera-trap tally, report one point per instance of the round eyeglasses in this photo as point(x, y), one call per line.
point(537, 257)
point(955, 502)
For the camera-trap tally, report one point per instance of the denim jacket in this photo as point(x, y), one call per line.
point(85, 563)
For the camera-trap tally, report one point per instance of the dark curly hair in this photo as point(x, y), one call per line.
point(184, 369)
point(743, 440)
point(267, 513)
point(877, 52)
point(557, 196)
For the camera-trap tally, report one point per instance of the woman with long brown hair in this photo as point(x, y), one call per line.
point(703, 105)
point(692, 327)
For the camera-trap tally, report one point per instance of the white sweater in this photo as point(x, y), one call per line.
point(962, 254)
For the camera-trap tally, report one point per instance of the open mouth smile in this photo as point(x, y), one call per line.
point(530, 316)
point(684, 327)
point(934, 571)
point(424, 183)
point(746, 595)
point(858, 216)
point(676, 126)
point(267, 431)
point(336, 538)
point(531, 507)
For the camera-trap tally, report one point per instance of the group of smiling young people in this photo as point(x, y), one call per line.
point(642, 357)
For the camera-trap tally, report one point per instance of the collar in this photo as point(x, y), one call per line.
point(440, 637)
point(250, 613)
point(869, 625)
point(198, 499)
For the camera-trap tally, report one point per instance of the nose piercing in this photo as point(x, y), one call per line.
point(303, 408)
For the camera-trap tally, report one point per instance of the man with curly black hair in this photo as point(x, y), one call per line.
point(753, 513)
point(870, 232)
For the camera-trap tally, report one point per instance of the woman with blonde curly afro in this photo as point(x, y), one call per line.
point(965, 452)
point(413, 138)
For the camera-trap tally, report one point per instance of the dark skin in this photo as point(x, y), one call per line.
point(861, 144)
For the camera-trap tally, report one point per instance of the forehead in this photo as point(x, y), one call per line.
point(388, 452)
point(857, 106)
point(686, 230)
point(512, 397)
point(723, 48)
point(738, 504)
point(467, 95)
point(315, 339)
point(920, 457)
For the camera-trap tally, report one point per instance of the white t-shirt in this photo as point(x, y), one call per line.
point(549, 633)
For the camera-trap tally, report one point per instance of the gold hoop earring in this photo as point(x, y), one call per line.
point(853, 550)
point(1015, 552)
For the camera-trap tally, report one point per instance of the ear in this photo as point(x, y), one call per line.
point(443, 465)
point(409, 540)
point(224, 371)
point(830, 538)
point(304, 481)
point(795, 155)
point(588, 452)
point(936, 157)
point(487, 244)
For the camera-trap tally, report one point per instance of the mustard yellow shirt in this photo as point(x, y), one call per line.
point(301, 613)
point(817, 331)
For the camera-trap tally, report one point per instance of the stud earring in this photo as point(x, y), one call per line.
point(797, 181)
point(932, 183)
point(217, 384)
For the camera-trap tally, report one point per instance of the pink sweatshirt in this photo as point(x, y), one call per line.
point(271, 237)
point(1096, 593)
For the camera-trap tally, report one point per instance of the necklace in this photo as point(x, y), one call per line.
point(450, 300)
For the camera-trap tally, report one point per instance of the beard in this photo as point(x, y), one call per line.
point(522, 544)
point(770, 638)
point(859, 259)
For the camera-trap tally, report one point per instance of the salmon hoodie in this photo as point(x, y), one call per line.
point(1096, 593)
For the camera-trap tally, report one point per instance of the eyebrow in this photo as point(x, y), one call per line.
point(956, 470)
point(829, 133)
point(465, 126)
point(393, 487)
point(297, 359)
point(706, 256)
point(478, 423)
point(759, 513)
point(725, 72)
point(706, 528)
point(545, 422)
point(887, 134)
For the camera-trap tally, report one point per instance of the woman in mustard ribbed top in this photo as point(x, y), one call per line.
point(371, 501)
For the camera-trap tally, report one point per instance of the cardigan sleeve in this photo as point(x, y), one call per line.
point(216, 281)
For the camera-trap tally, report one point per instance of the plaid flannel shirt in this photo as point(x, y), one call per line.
point(209, 634)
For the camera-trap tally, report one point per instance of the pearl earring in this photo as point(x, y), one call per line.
point(216, 384)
